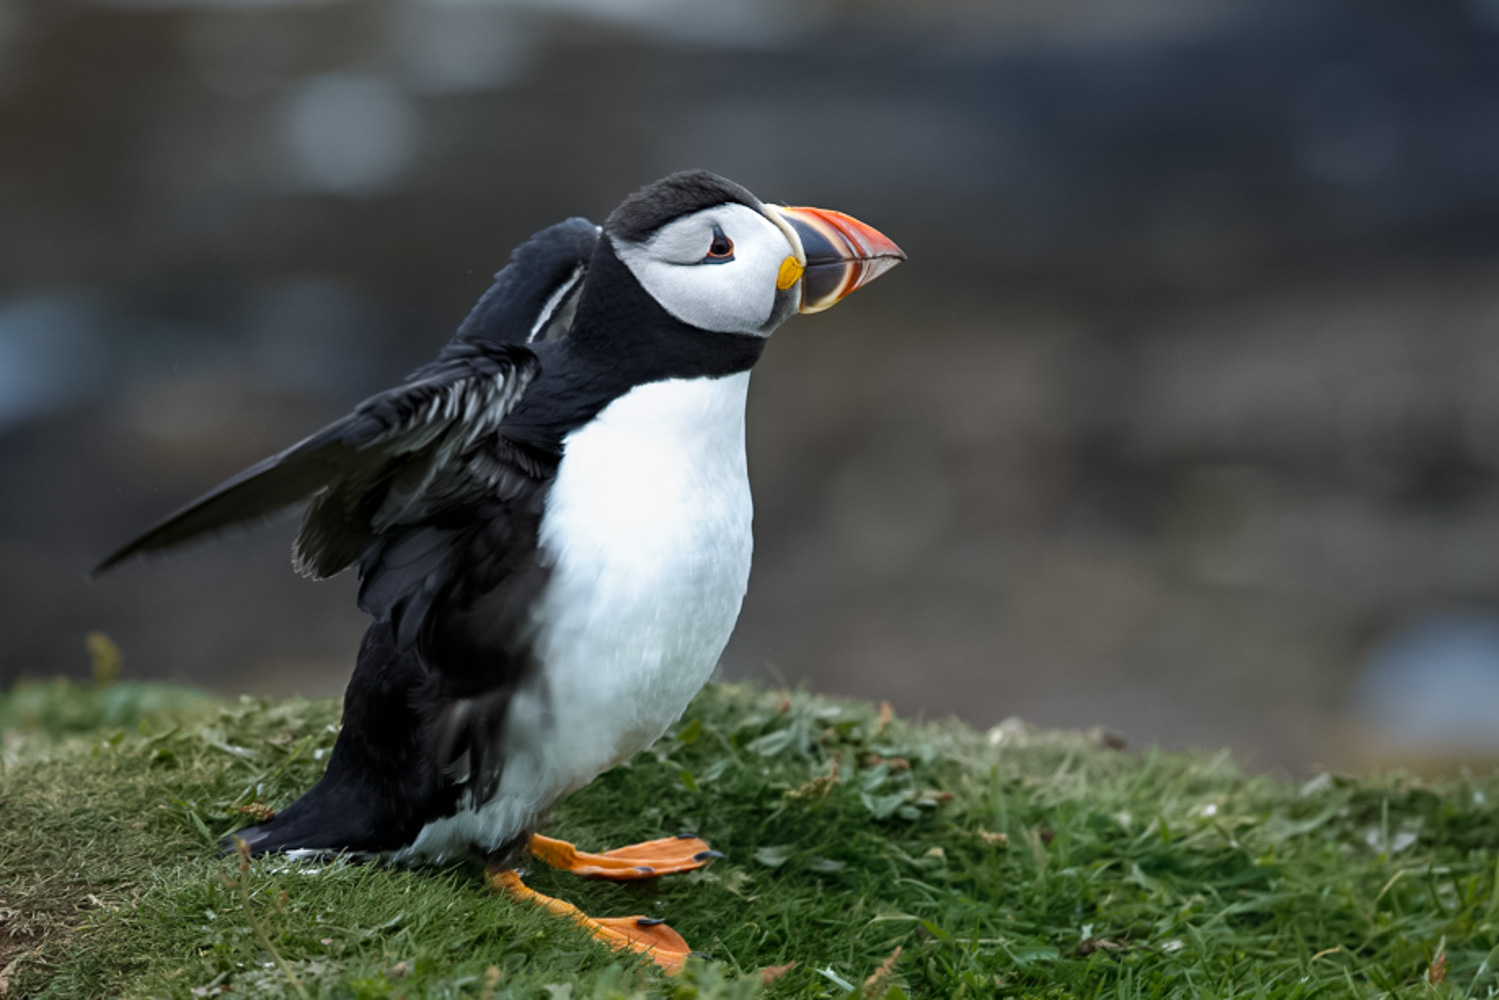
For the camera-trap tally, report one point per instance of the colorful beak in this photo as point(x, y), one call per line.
point(841, 254)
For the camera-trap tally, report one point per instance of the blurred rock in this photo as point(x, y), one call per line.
point(1433, 684)
point(349, 134)
point(53, 355)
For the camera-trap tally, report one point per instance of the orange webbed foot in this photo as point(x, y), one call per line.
point(647, 936)
point(666, 856)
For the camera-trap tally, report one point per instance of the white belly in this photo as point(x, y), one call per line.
point(647, 533)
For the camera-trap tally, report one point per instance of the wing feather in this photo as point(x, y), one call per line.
point(395, 443)
point(367, 470)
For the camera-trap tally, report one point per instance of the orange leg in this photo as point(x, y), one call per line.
point(654, 857)
point(646, 935)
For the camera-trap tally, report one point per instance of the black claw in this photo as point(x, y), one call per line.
point(649, 921)
point(707, 855)
point(686, 836)
point(645, 869)
point(700, 954)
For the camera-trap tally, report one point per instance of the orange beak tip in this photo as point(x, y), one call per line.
point(842, 254)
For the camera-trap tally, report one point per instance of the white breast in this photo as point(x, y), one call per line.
point(647, 532)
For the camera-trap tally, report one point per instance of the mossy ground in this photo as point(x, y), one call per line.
point(880, 857)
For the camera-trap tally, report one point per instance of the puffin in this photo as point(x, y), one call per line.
point(551, 527)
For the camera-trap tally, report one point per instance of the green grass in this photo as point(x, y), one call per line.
point(1015, 863)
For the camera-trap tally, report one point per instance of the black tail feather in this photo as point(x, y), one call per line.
point(382, 784)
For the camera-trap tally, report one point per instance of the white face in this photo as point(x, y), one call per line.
point(715, 269)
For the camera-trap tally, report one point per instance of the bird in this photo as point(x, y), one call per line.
point(551, 527)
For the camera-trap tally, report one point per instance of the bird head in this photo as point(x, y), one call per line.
point(717, 258)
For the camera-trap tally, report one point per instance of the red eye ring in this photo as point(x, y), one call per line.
point(722, 248)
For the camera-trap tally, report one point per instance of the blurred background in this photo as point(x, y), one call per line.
point(1182, 420)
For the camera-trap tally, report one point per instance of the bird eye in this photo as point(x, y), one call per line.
point(721, 249)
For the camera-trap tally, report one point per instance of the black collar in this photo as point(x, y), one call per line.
point(620, 339)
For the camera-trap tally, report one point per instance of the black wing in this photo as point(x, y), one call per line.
point(393, 443)
point(533, 300)
point(369, 471)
